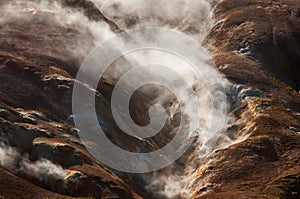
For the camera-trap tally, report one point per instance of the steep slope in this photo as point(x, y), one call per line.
point(37, 61)
point(256, 45)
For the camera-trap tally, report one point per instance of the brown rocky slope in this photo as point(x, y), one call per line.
point(255, 44)
point(36, 82)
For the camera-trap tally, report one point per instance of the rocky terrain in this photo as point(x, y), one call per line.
point(254, 43)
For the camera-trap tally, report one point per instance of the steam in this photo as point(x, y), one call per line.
point(88, 33)
point(189, 16)
point(192, 18)
point(168, 186)
point(43, 170)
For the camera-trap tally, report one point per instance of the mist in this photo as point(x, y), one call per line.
point(43, 170)
point(191, 17)
point(89, 33)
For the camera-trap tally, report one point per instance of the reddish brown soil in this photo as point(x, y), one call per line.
point(12, 186)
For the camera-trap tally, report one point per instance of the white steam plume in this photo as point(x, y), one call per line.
point(167, 185)
point(89, 33)
point(43, 169)
point(191, 17)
